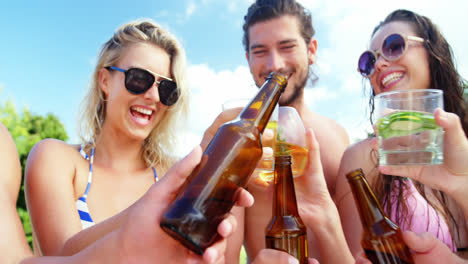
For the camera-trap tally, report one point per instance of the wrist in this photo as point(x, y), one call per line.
point(105, 250)
point(330, 238)
point(327, 226)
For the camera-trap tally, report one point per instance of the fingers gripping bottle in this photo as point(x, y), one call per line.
point(225, 167)
point(382, 239)
point(286, 230)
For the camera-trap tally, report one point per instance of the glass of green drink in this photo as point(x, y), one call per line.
point(406, 131)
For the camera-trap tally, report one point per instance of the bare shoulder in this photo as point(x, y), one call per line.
point(356, 155)
point(49, 156)
point(326, 129)
point(358, 148)
point(362, 153)
point(55, 148)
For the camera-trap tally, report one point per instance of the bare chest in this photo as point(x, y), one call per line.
point(111, 192)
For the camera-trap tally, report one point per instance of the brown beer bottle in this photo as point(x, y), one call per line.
point(226, 165)
point(382, 239)
point(286, 231)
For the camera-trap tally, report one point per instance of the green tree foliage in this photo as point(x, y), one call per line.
point(27, 129)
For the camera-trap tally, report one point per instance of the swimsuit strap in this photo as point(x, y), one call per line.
point(90, 174)
point(155, 174)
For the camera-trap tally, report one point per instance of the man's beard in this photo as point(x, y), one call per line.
point(298, 92)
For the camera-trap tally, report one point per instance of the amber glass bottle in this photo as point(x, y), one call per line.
point(382, 239)
point(226, 165)
point(286, 231)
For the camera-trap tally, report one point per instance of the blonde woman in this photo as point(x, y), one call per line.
point(78, 194)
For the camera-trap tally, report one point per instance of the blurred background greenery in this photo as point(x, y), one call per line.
point(27, 129)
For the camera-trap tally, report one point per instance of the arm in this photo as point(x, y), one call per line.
point(318, 210)
point(51, 175)
point(13, 245)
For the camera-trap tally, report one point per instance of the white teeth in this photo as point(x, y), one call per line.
point(391, 77)
point(142, 110)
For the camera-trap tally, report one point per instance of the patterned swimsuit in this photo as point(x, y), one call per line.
point(81, 204)
point(424, 218)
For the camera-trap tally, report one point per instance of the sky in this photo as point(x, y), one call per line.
point(48, 51)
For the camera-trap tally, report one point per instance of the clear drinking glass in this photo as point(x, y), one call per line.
point(289, 140)
point(265, 166)
point(407, 133)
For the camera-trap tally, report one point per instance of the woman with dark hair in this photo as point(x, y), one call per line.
point(407, 51)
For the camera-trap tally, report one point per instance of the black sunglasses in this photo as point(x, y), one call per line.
point(138, 81)
point(393, 48)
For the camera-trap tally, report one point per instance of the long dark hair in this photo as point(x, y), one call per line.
point(444, 76)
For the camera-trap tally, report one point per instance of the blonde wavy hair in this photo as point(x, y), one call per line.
point(159, 146)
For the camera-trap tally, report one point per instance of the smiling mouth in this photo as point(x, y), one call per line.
point(141, 113)
point(391, 78)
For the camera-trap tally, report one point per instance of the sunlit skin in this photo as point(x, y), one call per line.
point(413, 72)
point(120, 175)
point(125, 119)
point(412, 67)
point(277, 45)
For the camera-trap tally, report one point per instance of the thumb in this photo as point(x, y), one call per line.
point(177, 174)
point(420, 243)
point(313, 261)
point(362, 260)
point(455, 142)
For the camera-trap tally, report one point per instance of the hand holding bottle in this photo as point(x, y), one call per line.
point(226, 165)
point(382, 239)
point(286, 230)
point(140, 239)
point(425, 249)
point(318, 210)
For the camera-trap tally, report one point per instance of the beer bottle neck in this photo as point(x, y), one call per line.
point(259, 110)
point(284, 197)
point(369, 208)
